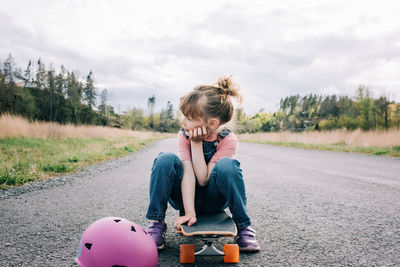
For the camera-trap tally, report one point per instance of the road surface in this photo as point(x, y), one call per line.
point(308, 207)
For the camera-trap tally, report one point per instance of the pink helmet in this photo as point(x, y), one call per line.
point(115, 241)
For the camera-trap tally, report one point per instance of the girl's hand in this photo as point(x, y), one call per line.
point(190, 219)
point(199, 133)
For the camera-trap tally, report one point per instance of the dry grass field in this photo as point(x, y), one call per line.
point(351, 138)
point(384, 143)
point(15, 126)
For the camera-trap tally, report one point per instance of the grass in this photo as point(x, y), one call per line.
point(38, 150)
point(27, 159)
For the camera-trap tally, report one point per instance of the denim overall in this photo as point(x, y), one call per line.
point(225, 187)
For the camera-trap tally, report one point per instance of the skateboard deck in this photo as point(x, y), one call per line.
point(220, 224)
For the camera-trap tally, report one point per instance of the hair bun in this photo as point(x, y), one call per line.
point(228, 88)
point(224, 82)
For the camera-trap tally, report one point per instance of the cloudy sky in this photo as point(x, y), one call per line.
point(272, 48)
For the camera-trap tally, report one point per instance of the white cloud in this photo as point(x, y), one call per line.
point(273, 48)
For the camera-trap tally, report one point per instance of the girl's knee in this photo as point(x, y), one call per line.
point(227, 165)
point(165, 159)
point(167, 163)
point(228, 168)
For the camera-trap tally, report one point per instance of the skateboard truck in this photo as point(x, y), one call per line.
point(209, 249)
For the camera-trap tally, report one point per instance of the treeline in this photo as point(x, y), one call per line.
point(44, 94)
point(40, 93)
point(315, 112)
point(165, 121)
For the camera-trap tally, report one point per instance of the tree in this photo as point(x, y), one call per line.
point(61, 112)
point(51, 88)
point(28, 80)
point(151, 102)
point(167, 122)
point(137, 119)
point(8, 69)
point(89, 91)
point(103, 101)
point(40, 75)
point(365, 106)
point(89, 95)
point(329, 108)
point(289, 103)
point(382, 107)
point(25, 103)
point(74, 94)
point(103, 107)
point(348, 113)
point(7, 90)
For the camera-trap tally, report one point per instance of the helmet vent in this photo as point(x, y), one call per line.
point(88, 246)
point(117, 220)
point(133, 228)
point(118, 266)
point(144, 231)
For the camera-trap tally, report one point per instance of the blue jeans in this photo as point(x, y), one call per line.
point(225, 188)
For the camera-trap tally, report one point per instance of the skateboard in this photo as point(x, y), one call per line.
point(210, 228)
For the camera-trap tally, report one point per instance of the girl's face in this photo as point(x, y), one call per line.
point(190, 123)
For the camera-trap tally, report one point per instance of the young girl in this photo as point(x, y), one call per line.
point(204, 177)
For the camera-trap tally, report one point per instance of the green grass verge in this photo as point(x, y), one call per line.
point(27, 159)
point(383, 151)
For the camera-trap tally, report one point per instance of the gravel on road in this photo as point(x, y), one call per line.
point(310, 208)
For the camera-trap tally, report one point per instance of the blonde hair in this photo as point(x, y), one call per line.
point(217, 104)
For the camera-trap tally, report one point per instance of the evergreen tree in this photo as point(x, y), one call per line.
point(51, 92)
point(74, 94)
point(3, 91)
point(7, 90)
point(89, 92)
point(89, 95)
point(61, 112)
point(28, 75)
point(8, 69)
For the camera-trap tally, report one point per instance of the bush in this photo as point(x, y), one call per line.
point(328, 124)
point(348, 123)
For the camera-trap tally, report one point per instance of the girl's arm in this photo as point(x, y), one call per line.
point(188, 187)
point(210, 168)
point(199, 164)
point(202, 171)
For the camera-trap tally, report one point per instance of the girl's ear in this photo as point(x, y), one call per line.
point(213, 123)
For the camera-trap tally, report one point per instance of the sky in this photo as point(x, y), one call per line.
point(272, 49)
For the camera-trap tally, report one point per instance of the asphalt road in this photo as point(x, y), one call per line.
point(308, 207)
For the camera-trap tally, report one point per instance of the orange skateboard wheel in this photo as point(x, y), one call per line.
point(231, 253)
point(187, 253)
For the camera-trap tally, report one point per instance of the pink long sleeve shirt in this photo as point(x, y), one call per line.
point(227, 146)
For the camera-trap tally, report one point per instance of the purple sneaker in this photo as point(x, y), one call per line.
point(157, 231)
point(246, 240)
